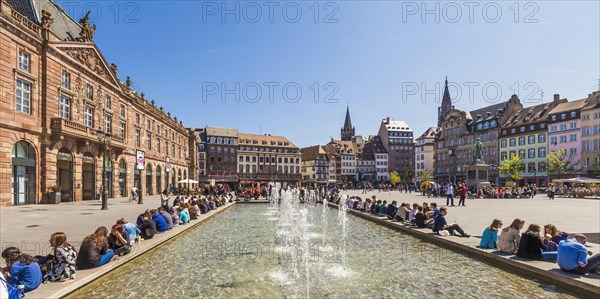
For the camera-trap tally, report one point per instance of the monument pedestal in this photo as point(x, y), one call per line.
point(476, 174)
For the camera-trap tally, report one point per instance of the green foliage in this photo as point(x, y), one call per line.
point(512, 168)
point(394, 178)
point(425, 175)
point(559, 163)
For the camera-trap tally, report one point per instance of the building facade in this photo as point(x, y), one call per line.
point(525, 134)
point(265, 158)
point(381, 159)
point(345, 157)
point(424, 153)
point(564, 131)
point(397, 139)
point(590, 135)
point(61, 92)
point(218, 155)
point(315, 166)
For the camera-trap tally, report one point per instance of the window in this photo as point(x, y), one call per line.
point(553, 140)
point(107, 123)
point(531, 139)
point(563, 116)
point(572, 151)
point(563, 139)
point(158, 144)
point(89, 92)
point(531, 167)
point(573, 114)
point(596, 115)
point(522, 129)
point(573, 137)
point(23, 100)
point(532, 127)
point(149, 140)
point(502, 156)
point(586, 162)
point(541, 138)
point(88, 118)
point(137, 138)
point(585, 117)
point(167, 147)
point(65, 107)
point(122, 129)
point(573, 125)
point(513, 130)
point(65, 80)
point(108, 103)
point(137, 119)
point(522, 154)
point(553, 128)
point(542, 125)
point(542, 166)
point(553, 117)
point(531, 153)
point(541, 152)
point(24, 61)
point(513, 142)
point(521, 140)
point(148, 127)
point(122, 110)
point(563, 127)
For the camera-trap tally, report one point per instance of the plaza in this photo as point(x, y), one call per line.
point(26, 228)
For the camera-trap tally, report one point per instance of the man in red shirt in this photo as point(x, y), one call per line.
point(462, 192)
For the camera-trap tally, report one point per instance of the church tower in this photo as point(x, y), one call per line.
point(446, 105)
point(347, 132)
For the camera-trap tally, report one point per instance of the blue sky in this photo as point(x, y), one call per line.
point(384, 58)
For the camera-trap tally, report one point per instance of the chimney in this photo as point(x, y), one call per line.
point(387, 120)
point(556, 97)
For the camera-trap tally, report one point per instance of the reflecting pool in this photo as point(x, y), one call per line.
point(262, 251)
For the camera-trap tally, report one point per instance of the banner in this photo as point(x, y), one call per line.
point(140, 160)
point(167, 164)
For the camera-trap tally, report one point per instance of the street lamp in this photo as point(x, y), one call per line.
point(104, 143)
point(189, 164)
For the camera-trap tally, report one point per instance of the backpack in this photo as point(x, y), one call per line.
point(14, 292)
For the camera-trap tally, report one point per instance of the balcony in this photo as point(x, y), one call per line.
point(60, 128)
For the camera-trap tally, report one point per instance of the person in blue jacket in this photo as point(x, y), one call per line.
point(161, 223)
point(22, 268)
point(489, 239)
point(391, 210)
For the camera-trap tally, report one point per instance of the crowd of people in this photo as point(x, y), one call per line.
point(24, 273)
point(551, 244)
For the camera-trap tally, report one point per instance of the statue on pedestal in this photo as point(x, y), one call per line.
point(478, 153)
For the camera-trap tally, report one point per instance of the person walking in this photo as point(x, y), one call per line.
point(462, 192)
point(449, 194)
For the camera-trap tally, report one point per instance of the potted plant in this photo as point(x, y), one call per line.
point(54, 194)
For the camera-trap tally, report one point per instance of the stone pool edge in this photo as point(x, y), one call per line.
point(572, 285)
point(75, 286)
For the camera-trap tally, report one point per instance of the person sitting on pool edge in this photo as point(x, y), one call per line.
point(440, 224)
point(531, 245)
point(572, 256)
point(421, 219)
point(391, 211)
point(489, 239)
point(511, 237)
point(383, 208)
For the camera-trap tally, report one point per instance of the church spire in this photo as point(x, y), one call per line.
point(446, 104)
point(347, 132)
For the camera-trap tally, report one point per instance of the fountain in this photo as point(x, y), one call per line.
point(291, 272)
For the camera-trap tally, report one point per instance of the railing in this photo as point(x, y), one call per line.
point(63, 127)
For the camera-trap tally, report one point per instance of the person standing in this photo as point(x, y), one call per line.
point(164, 199)
point(462, 192)
point(449, 194)
point(101, 192)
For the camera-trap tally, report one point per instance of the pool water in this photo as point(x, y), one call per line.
point(247, 252)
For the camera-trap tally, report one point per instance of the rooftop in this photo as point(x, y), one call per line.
point(264, 140)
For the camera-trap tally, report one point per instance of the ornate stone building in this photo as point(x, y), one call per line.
point(57, 92)
point(458, 131)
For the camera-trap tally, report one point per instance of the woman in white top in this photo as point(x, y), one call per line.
point(509, 239)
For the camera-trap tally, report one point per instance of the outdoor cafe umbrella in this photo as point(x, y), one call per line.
point(188, 181)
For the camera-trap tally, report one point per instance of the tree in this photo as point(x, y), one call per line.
point(512, 168)
point(394, 178)
point(596, 165)
point(425, 175)
point(559, 163)
point(408, 174)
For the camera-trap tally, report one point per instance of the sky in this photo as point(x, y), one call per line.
point(291, 68)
